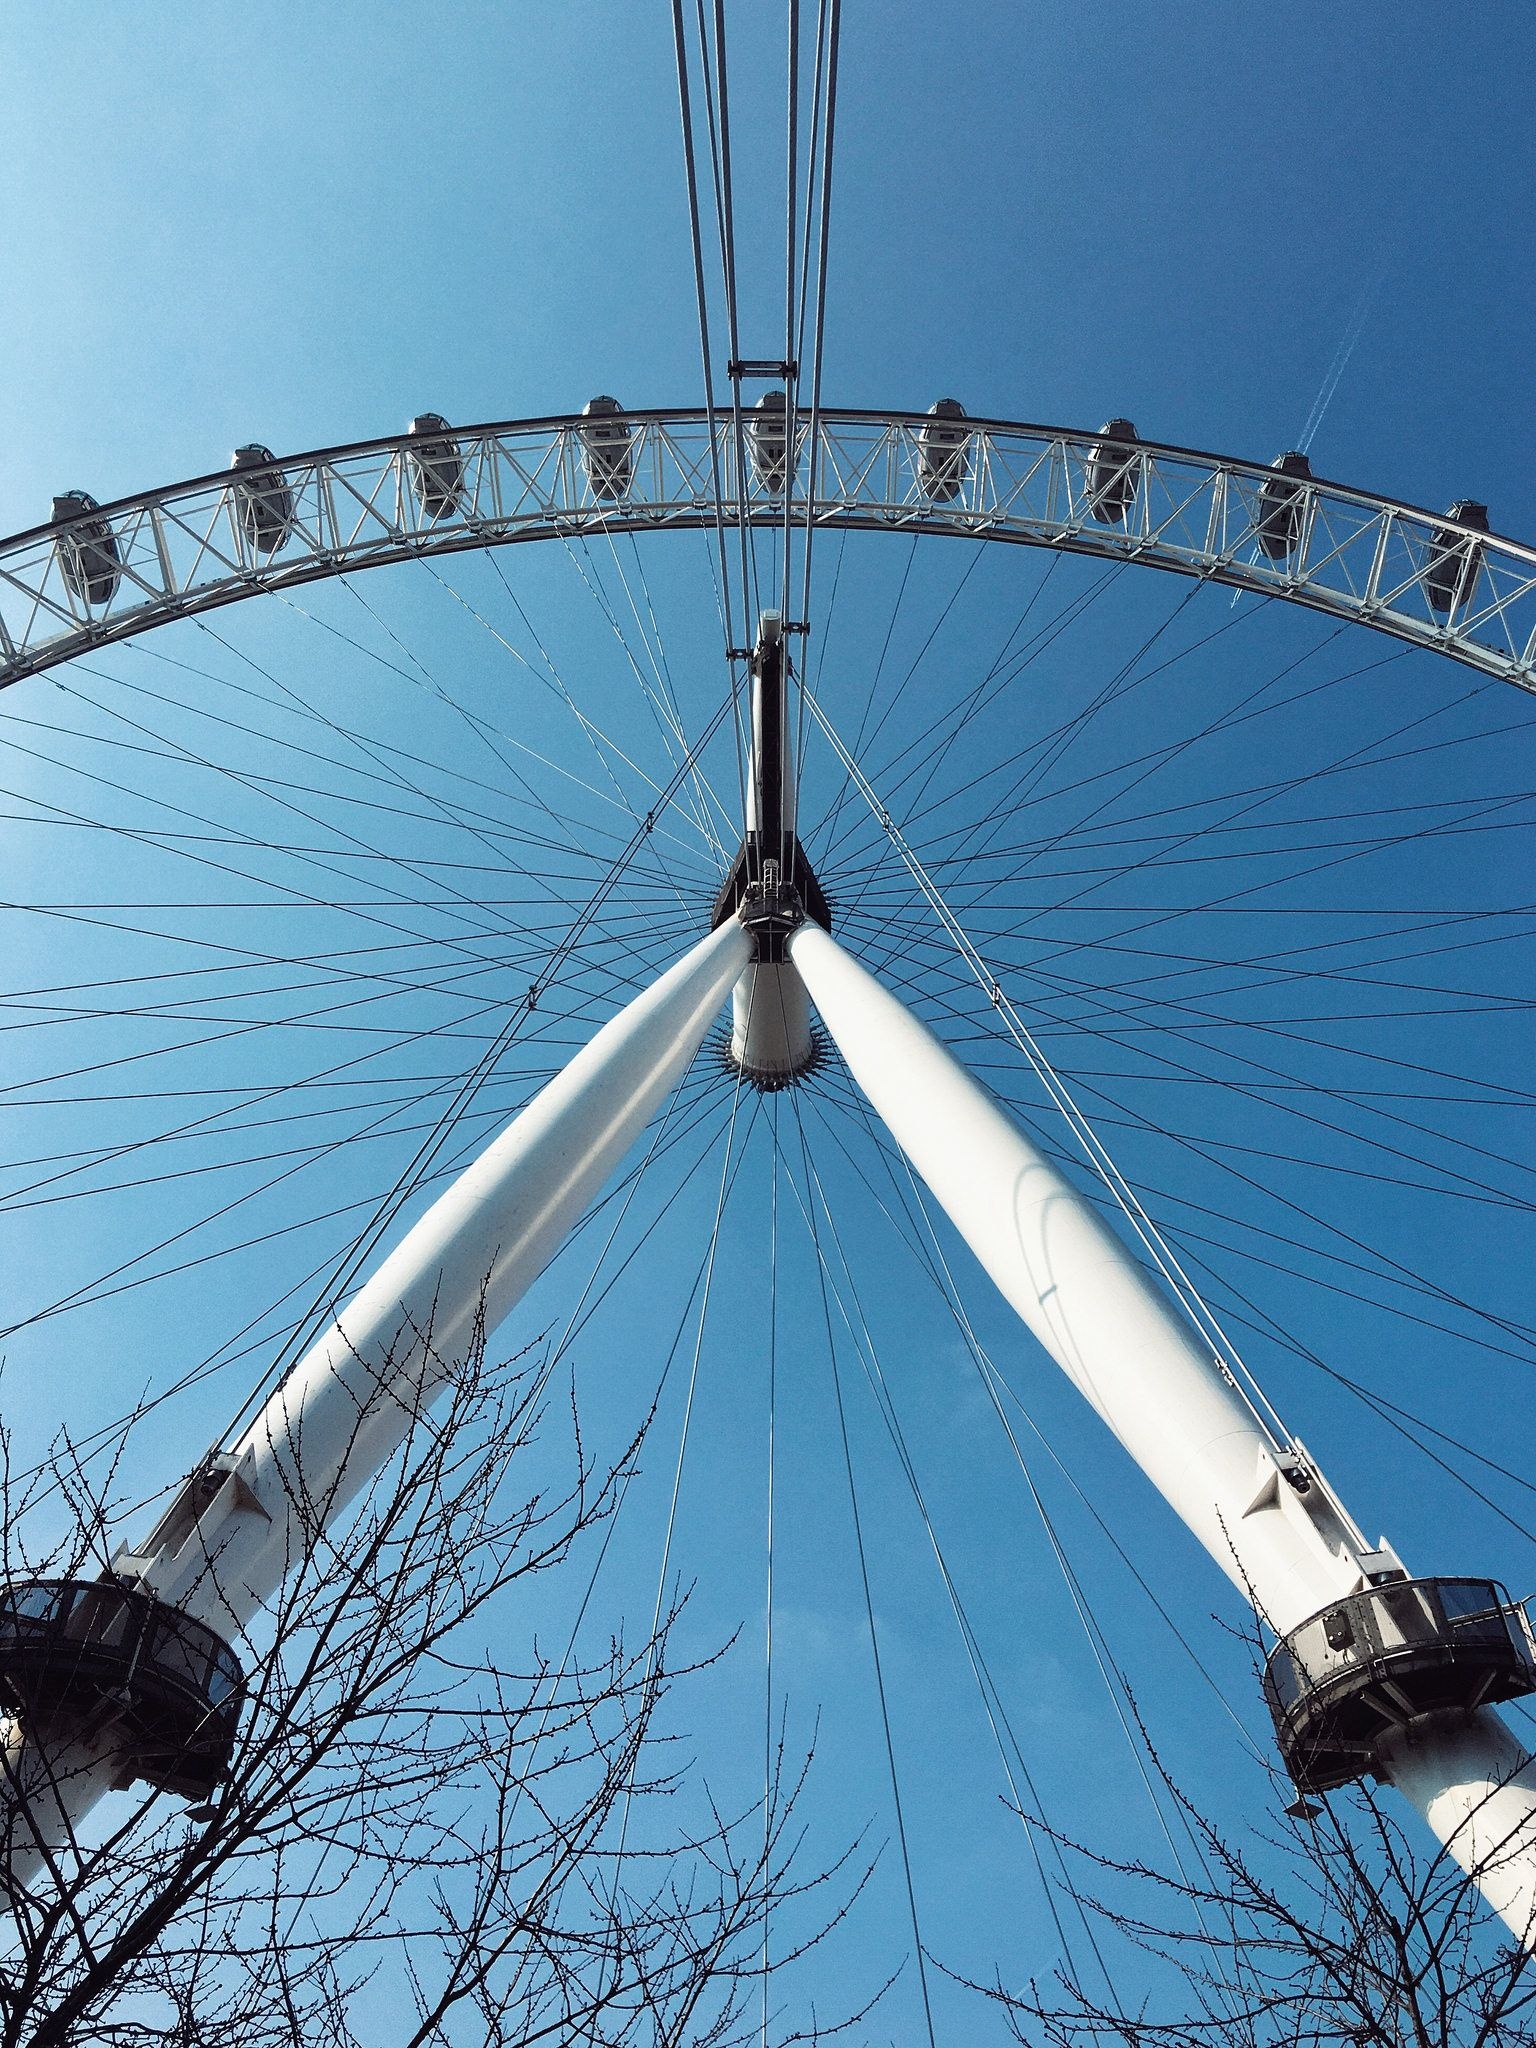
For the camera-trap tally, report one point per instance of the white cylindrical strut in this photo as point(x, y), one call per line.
point(771, 1038)
point(1290, 1550)
point(1476, 1787)
point(352, 1399)
point(223, 1549)
point(1122, 1344)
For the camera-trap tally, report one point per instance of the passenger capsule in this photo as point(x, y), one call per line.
point(436, 466)
point(90, 560)
point(1450, 575)
point(768, 438)
point(605, 448)
point(1112, 472)
point(1280, 500)
point(262, 498)
point(941, 451)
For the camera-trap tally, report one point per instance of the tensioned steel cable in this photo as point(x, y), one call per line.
point(990, 1695)
point(791, 393)
point(665, 710)
point(726, 205)
point(664, 714)
point(773, 1391)
point(1264, 1324)
point(680, 47)
point(693, 1099)
point(869, 1606)
point(1396, 1273)
point(225, 833)
point(1004, 671)
point(716, 116)
point(97, 1289)
point(796, 352)
point(464, 810)
point(528, 1402)
point(705, 1289)
point(932, 1259)
point(593, 586)
point(933, 633)
point(1226, 1355)
point(1251, 708)
point(480, 963)
point(424, 678)
point(812, 158)
point(1114, 1679)
point(797, 355)
point(1359, 756)
point(792, 368)
point(828, 825)
point(352, 1260)
point(492, 738)
point(600, 742)
point(834, 26)
point(586, 1308)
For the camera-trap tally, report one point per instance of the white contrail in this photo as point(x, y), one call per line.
point(1341, 356)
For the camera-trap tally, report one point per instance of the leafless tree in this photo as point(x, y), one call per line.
point(1328, 1927)
point(420, 1840)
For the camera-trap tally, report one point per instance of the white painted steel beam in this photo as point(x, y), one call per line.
point(354, 1397)
point(351, 1400)
point(1290, 1550)
point(1124, 1346)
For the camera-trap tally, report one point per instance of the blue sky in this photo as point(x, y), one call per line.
point(303, 225)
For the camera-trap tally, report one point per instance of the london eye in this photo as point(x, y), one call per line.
point(777, 903)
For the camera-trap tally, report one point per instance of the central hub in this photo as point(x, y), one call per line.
point(771, 886)
point(770, 909)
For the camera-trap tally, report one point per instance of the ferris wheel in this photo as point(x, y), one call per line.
point(768, 911)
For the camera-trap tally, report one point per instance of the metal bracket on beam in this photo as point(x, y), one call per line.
point(747, 366)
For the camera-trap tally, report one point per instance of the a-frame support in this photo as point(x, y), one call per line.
point(1256, 1501)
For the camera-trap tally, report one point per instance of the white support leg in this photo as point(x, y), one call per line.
point(771, 1024)
point(1476, 1787)
point(351, 1401)
point(1110, 1329)
point(1172, 1405)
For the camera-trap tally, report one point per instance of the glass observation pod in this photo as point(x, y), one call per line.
point(1349, 1676)
point(89, 558)
point(606, 453)
point(262, 497)
point(86, 1653)
point(436, 466)
point(941, 451)
point(1113, 472)
point(1278, 526)
point(1450, 575)
point(768, 440)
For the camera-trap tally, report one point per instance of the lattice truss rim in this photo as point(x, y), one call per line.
point(190, 547)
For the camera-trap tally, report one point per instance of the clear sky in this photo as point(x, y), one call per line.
point(302, 225)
